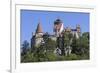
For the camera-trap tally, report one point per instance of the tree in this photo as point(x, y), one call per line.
point(46, 48)
point(86, 34)
point(49, 44)
point(45, 36)
point(74, 47)
point(85, 43)
point(81, 46)
point(28, 57)
point(67, 37)
point(25, 47)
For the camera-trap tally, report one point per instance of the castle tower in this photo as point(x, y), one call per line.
point(78, 29)
point(38, 37)
point(39, 29)
point(58, 27)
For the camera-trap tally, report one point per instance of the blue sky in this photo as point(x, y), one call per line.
point(30, 19)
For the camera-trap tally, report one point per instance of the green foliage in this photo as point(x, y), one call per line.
point(45, 51)
point(49, 44)
point(72, 57)
point(81, 46)
point(24, 47)
point(51, 57)
point(66, 39)
point(85, 40)
point(28, 57)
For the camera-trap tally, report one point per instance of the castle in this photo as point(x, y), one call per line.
point(58, 30)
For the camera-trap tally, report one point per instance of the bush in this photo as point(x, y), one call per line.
point(72, 57)
point(27, 57)
point(51, 57)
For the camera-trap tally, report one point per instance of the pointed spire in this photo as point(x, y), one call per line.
point(39, 28)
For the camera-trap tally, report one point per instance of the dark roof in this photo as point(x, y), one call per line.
point(73, 29)
point(57, 21)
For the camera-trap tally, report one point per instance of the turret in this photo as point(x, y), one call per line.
point(58, 27)
point(78, 28)
point(38, 38)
